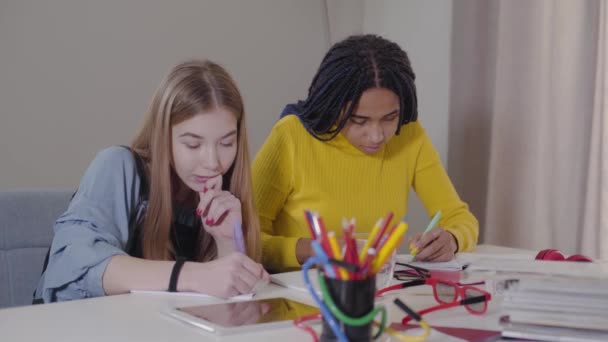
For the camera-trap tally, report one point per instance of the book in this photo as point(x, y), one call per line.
point(558, 319)
point(554, 334)
point(570, 269)
point(542, 307)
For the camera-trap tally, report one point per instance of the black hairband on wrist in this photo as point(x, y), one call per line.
point(179, 262)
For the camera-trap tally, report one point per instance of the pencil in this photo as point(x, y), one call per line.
point(370, 240)
point(389, 247)
point(335, 248)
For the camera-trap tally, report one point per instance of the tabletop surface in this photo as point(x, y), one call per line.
point(139, 317)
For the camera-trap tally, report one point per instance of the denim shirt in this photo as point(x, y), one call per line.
point(94, 228)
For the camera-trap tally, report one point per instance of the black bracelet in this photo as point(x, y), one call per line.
point(179, 262)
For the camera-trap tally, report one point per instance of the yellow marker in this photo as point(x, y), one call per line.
point(370, 241)
point(335, 249)
point(390, 246)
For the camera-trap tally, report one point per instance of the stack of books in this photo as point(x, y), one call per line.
point(556, 308)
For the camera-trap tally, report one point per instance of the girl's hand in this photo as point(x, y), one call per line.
point(219, 210)
point(225, 277)
point(436, 245)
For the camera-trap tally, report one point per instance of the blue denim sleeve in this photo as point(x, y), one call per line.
point(94, 228)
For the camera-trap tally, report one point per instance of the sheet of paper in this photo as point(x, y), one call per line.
point(295, 281)
point(452, 265)
point(468, 258)
point(258, 286)
point(188, 294)
point(597, 270)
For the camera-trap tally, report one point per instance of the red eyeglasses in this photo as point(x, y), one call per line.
point(448, 294)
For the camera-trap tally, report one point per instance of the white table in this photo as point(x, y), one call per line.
point(138, 317)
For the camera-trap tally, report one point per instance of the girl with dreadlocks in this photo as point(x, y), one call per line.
point(354, 147)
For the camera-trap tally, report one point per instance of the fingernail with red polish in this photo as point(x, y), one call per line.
point(198, 212)
point(204, 189)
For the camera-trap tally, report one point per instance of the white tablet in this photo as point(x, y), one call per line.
point(243, 316)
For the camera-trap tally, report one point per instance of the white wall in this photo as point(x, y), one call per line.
point(77, 75)
point(423, 29)
point(345, 18)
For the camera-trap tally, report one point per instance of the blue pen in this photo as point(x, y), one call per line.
point(322, 256)
point(329, 318)
point(431, 225)
point(239, 239)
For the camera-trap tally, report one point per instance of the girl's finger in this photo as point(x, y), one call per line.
point(205, 201)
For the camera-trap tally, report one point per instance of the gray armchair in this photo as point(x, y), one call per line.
point(26, 231)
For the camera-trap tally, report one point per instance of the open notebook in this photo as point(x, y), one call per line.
point(452, 265)
point(260, 285)
point(295, 281)
point(187, 294)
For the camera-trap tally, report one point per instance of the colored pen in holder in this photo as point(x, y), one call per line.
point(348, 279)
point(353, 298)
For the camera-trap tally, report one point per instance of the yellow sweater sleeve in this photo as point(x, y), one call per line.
point(272, 173)
point(436, 192)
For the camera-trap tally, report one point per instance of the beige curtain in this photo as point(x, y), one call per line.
point(595, 221)
point(527, 136)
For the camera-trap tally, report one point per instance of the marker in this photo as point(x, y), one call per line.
point(432, 224)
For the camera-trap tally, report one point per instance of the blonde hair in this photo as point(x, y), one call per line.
point(193, 87)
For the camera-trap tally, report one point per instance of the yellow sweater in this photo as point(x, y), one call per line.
point(293, 172)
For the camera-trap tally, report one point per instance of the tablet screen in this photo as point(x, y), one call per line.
point(243, 313)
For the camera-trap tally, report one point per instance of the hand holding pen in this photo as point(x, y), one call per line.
point(234, 272)
point(434, 244)
point(224, 277)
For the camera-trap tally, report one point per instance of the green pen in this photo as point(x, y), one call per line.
point(432, 224)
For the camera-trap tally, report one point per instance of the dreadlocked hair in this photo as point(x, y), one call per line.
point(349, 68)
